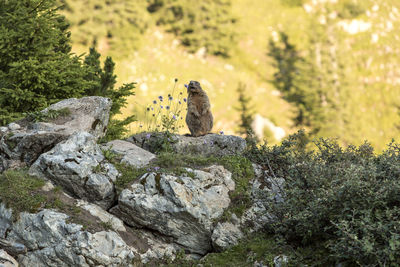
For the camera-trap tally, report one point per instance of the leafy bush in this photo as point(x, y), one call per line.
point(197, 24)
point(346, 200)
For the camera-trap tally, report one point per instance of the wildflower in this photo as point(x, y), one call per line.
point(167, 107)
point(221, 132)
point(152, 108)
point(174, 117)
point(161, 106)
point(186, 85)
point(170, 98)
point(156, 168)
point(205, 141)
point(154, 101)
point(180, 102)
point(160, 98)
point(148, 136)
point(184, 99)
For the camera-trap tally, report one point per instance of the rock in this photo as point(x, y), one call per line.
point(6, 260)
point(264, 188)
point(259, 125)
point(89, 114)
point(51, 241)
point(5, 220)
point(115, 223)
point(181, 207)
point(225, 235)
point(281, 261)
point(22, 143)
point(14, 126)
point(207, 145)
point(77, 164)
point(131, 154)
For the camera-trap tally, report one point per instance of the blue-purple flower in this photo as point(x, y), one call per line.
point(186, 85)
point(161, 106)
point(148, 136)
point(170, 98)
point(167, 107)
point(180, 102)
point(156, 168)
point(160, 98)
point(174, 117)
point(184, 99)
point(221, 132)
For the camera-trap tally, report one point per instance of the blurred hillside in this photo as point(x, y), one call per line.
point(351, 46)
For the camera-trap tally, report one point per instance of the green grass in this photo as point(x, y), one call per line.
point(18, 191)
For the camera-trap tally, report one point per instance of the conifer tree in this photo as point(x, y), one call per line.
point(36, 65)
point(246, 113)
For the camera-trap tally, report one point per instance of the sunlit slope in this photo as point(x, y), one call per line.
point(146, 54)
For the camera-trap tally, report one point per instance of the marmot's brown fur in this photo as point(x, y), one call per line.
point(198, 118)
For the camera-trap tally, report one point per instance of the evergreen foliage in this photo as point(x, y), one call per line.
point(197, 24)
point(245, 111)
point(36, 66)
point(104, 82)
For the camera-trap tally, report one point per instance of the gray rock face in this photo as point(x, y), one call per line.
point(5, 220)
point(131, 154)
point(226, 235)
point(264, 188)
point(89, 114)
point(179, 207)
point(6, 260)
point(21, 143)
point(207, 145)
point(77, 165)
point(53, 242)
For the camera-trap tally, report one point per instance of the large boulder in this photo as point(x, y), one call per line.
point(130, 154)
point(78, 165)
point(207, 145)
point(22, 142)
point(51, 241)
point(6, 260)
point(182, 207)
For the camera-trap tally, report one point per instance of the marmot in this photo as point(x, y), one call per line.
point(198, 118)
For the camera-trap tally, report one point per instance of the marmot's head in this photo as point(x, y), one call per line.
point(194, 87)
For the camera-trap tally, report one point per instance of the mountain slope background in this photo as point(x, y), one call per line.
point(352, 44)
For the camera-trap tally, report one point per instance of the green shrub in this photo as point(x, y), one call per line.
point(346, 200)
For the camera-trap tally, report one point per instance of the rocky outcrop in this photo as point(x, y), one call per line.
point(130, 154)
point(182, 207)
point(226, 235)
point(265, 187)
point(207, 145)
point(78, 165)
point(6, 260)
point(51, 241)
point(22, 142)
